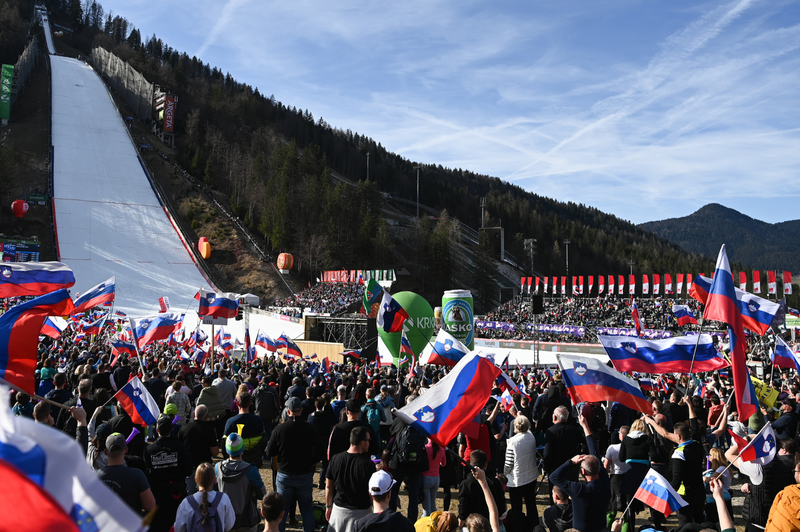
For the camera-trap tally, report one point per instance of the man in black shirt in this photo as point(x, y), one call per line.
point(157, 388)
point(471, 499)
point(688, 464)
point(297, 445)
point(168, 465)
point(382, 518)
point(340, 436)
point(347, 483)
point(201, 442)
point(129, 483)
point(252, 431)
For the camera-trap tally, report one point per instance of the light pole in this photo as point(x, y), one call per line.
point(566, 243)
point(417, 169)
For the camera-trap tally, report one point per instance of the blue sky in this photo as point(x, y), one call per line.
point(644, 109)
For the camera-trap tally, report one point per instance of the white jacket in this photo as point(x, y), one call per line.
point(520, 466)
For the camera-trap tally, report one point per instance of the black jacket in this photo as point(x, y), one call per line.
point(777, 475)
point(688, 464)
point(562, 442)
point(297, 445)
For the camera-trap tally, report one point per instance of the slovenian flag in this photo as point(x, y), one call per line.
point(54, 326)
point(120, 314)
point(291, 347)
point(761, 449)
point(222, 305)
point(391, 315)
point(670, 355)
point(121, 347)
point(684, 315)
point(153, 328)
point(757, 313)
point(453, 402)
point(95, 327)
point(637, 320)
point(657, 493)
point(33, 278)
point(262, 340)
point(96, 296)
point(250, 350)
point(447, 350)
point(223, 339)
point(783, 356)
point(355, 353)
point(589, 380)
point(19, 336)
point(138, 403)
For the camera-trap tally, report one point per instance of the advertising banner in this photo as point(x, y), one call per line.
point(169, 114)
point(6, 80)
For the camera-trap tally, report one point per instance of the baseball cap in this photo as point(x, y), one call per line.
point(380, 483)
point(352, 406)
point(234, 445)
point(163, 421)
point(116, 443)
point(294, 404)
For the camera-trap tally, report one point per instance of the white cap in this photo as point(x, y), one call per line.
point(380, 483)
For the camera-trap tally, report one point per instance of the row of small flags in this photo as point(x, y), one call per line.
point(551, 283)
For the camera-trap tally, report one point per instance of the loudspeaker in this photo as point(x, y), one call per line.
point(537, 304)
point(371, 351)
point(313, 329)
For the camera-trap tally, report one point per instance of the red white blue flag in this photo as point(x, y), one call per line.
point(54, 326)
point(452, 403)
point(290, 346)
point(138, 403)
point(95, 327)
point(19, 336)
point(761, 449)
point(223, 339)
point(589, 380)
point(223, 305)
point(784, 356)
point(153, 328)
point(447, 350)
point(722, 305)
point(33, 278)
point(262, 340)
point(391, 315)
point(406, 353)
point(250, 350)
point(657, 493)
point(97, 295)
point(637, 320)
point(757, 313)
point(684, 315)
point(670, 355)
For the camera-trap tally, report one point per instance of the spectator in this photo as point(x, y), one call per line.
point(373, 413)
point(635, 452)
point(562, 441)
point(437, 458)
point(201, 442)
point(558, 517)
point(297, 445)
point(688, 464)
point(347, 483)
point(382, 518)
point(197, 508)
point(242, 483)
point(616, 468)
point(130, 484)
point(250, 427)
point(522, 473)
point(471, 499)
point(273, 506)
point(168, 464)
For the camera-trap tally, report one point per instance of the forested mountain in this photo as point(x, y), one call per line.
point(754, 243)
point(273, 161)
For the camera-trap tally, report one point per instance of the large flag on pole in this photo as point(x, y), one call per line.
point(784, 356)
point(589, 380)
point(19, 336)
point(671, 355)
point(33, 278)
point(453, 402)
point(372, 298)
point(637, 319)
point(757, 312)
point(722, 306)
point(54, 326)
point(684, 315)
point(391, 315)
point(222, 305)
point(153, 328)
point(97, 295)
point(55, 462)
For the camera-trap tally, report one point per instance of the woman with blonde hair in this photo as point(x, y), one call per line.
point(522, 473)
point(719, 464)
point(635, 451)
point(197, 507)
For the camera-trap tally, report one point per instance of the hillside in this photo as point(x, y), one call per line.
point(301, 183)
point(753, 243)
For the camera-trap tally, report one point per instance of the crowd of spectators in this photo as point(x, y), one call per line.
point(656, 313)
point(322, 298)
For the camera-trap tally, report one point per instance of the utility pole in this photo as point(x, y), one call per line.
point(367, 166)
point(417, 169)
point(530, 247)
point(631, 264)
point(483, 211)
point(566, 243)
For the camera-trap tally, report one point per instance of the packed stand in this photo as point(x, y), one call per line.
point(322, 298)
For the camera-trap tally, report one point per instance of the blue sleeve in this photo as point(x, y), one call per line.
point(254, 477)
point(573, 489)
point(593, 447)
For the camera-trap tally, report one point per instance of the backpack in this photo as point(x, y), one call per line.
point(411, 447)
point(214, 523)
point(373, 411)
point(266, 402)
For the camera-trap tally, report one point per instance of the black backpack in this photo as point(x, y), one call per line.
point(410, 447)
point(266, 402)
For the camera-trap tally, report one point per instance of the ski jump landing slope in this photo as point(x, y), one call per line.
point(108, 220)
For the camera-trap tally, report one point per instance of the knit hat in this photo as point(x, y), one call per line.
point(234, 445)
point(171, 409)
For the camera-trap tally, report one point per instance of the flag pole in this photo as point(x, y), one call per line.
point(697, 343)
point(628, 507)
point(39, 397)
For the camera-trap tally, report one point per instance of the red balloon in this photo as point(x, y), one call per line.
point(19, 207)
